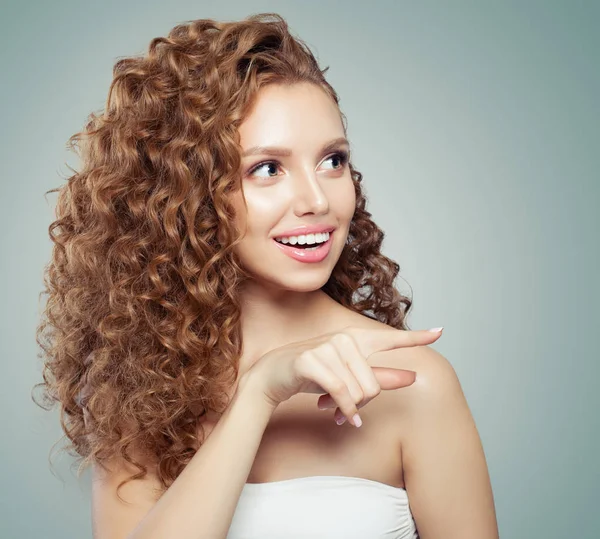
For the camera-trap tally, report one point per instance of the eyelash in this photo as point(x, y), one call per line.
point(343, 155)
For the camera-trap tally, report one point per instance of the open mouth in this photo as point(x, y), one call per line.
point(311, 247)
point(307, 253)
point(306, 246)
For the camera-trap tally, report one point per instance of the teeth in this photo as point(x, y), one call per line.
point(306, 239)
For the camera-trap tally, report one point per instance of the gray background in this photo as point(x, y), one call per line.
point(476, 127)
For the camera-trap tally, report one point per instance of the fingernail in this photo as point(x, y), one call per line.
point(341, 420)
point(356, 420)
point(435, 330)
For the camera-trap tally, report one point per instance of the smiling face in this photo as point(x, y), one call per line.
point(308, 183)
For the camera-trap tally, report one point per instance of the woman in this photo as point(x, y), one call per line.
point(194, 321)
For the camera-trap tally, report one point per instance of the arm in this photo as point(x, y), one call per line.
point(201, 502)
point(444, 465)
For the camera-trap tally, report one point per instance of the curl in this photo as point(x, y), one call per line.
point(141, 330)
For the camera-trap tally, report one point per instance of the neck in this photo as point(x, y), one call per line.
point(273, 320)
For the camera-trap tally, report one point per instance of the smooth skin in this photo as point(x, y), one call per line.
point(443, 461)
point(445, 471)
point(336, 364)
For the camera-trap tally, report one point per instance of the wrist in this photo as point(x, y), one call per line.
point(249, 388)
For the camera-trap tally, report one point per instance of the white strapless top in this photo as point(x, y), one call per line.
point(322, 507)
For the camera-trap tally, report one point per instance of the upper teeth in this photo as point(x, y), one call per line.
point(304, 239)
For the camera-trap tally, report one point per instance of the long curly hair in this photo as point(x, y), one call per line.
point(141, 330)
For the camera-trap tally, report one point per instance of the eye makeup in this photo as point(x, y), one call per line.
point(342, 155)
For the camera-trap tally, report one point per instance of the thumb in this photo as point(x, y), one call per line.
point(389, 378)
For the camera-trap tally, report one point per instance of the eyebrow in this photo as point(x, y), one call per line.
point(285, 152)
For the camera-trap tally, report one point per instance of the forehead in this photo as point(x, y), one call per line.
point(291, 116)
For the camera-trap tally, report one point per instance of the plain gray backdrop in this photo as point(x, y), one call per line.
point(476, 126)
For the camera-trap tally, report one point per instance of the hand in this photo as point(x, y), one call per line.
point(336, 364)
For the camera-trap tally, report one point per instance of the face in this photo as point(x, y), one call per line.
point(306, 184)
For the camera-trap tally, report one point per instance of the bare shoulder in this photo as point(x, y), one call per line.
point(436, 379)
point(435, 374)
point(443, 461)
point(436, 382)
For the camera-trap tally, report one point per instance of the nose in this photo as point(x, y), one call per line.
point(308, 196)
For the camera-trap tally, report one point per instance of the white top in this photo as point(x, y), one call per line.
point(322, 507)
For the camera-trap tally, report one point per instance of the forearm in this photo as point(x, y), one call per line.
point(202, 500)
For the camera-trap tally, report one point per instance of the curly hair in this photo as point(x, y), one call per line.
point(141, 330)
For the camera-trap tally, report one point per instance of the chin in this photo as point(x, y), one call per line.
point(298, 283)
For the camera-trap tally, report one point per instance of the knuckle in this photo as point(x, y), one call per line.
point(303, 362)
point(342, 339)
point(374, 391)
point(328, 348)
point(338, 387)
point(306, 356)
point(369, 396)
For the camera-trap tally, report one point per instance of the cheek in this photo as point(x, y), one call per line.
point(345, 201)
point(254, 213)
point(255, 219)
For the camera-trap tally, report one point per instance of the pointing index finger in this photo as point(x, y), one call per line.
point(370, 341)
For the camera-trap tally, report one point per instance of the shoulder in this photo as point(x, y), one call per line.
point(436, 383)
point(434, 372)
point(441, 450)
point(436, 386)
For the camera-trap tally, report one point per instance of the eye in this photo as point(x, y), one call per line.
point(341, 156)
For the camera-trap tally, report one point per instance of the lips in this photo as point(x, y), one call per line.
point(303, 255)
